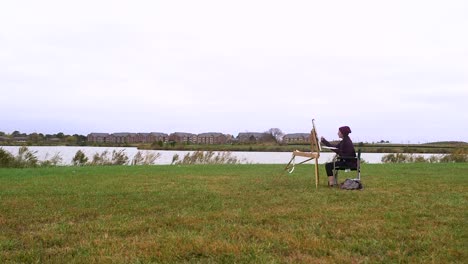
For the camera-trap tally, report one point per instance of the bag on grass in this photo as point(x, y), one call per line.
point(351, 184)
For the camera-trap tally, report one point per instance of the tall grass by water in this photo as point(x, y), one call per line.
point(410, 213)
point(26, 158)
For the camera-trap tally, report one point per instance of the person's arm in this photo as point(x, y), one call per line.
point(328, 144)
point(325, 142)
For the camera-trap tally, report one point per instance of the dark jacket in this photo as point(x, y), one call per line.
point(345, 148)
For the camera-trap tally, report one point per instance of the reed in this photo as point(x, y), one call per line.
point(206, 157)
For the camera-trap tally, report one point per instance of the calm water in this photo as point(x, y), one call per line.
point(67, 154)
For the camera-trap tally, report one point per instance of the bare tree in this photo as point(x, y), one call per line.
point(276, 134)
point(266, 137)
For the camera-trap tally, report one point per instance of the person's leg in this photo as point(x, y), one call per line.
point(331, 177)
point(339, 165)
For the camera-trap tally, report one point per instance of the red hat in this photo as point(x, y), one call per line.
point(345, 130)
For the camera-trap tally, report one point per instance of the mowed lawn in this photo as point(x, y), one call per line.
point(409, 213)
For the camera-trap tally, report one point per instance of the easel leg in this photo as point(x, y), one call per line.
point(316, 173)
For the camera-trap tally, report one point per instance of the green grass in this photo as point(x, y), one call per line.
point(409, 213)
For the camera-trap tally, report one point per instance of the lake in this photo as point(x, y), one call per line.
point(67, 154)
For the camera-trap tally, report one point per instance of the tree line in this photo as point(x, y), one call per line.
point(40, 138)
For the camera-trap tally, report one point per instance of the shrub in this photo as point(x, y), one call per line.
point(100, 159)
point(147, 159)
point(433, 159)
point(26, 158)
point(419, 159)
point(79, 159)
point(54, 161)
point(118, 158)
point(396, 158)
point(458, 155)
point(403, 158)
point(175, 158)
point(6, 159)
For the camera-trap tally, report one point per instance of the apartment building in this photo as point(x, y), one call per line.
point(125, 137)
point(98, 137)
point(212, 138)
point(183, 137)
point(249, 137)
point(179, 137)
point(296, 138)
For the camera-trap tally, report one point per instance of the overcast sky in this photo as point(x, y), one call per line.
point(391, 70)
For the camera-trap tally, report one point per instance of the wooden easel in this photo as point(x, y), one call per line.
point(313, 154)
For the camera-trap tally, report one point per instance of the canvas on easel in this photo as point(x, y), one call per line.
point(313, 154)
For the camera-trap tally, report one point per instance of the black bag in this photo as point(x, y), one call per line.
point(351, 184)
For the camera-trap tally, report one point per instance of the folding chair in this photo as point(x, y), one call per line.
point(347, 168)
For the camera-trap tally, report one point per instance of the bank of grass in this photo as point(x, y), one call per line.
point(414, 213)
point(435, 148)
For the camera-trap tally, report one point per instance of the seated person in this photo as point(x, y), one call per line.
point(344, 148)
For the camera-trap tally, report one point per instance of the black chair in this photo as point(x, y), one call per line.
point(338, 164)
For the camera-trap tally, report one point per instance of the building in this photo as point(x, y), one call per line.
point(158, 136)
point(179, 137)
point(123, 137)
point(211, 138)
point(249, 137)
point(296, 138)
point(182, 137)
point(142, 138)
point(98, 137)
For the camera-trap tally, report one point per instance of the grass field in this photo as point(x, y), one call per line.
point(407, 213)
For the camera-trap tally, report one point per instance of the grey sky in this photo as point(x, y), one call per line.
point(391, 70)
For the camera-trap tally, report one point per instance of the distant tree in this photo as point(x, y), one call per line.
point(2, 134)
point(16, 133)
point(277, 134)
point(71, 140)
point(157, 144)
point(60, 135)
point(267, 138)
point(34, 137)
point(80, 139)
point(40, 137)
